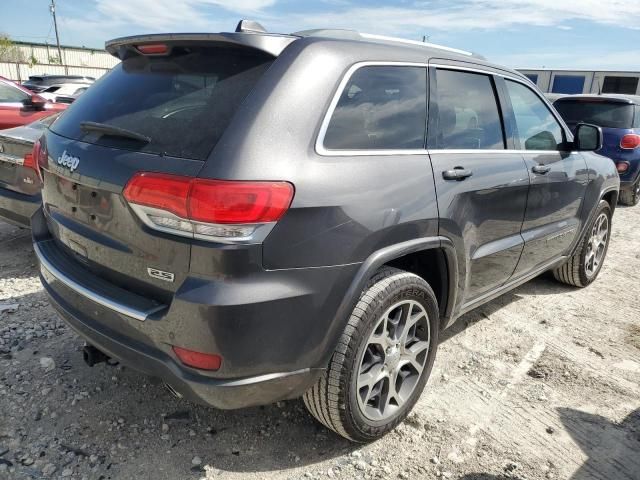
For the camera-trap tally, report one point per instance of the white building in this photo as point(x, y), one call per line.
point(584, 81)
point(25, 58)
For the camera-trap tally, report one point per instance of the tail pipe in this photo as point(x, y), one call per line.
point(92, 356)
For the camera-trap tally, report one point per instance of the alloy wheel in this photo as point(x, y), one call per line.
point(393, 360)
point(597, 245)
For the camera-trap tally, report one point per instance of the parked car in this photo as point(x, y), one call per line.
point(39, 83)
point(619, 118)
point(64, 91)
point(20, 182)
point(255, 217)
point(19, 106)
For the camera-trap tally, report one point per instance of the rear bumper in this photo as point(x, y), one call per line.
point(219, 393)
point(17, 208)
point(271, 328)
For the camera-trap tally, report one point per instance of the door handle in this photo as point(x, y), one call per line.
point(458, 173)
point(541, 169)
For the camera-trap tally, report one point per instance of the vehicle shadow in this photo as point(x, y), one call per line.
point(258, 439)
point(612, 447)
point(17, 258)
point(539, 286)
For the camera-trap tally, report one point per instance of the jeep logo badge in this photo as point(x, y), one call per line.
point(69, 161)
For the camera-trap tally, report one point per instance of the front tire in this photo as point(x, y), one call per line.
point(585, 264)
point(382, 361)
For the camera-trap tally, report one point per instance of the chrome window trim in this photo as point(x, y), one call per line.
point(435, 151)
point(325, 152)
point(90, 294)
point(525, 82)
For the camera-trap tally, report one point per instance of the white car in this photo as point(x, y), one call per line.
point(67, 90)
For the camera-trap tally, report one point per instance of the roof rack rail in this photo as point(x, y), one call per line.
point(329, 32)
point(371, 36)
point(354, 35)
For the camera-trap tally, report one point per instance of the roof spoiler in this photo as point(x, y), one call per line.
point(248, 34)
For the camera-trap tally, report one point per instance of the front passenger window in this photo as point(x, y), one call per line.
point(536, 127)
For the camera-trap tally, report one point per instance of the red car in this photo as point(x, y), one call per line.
point(19, 106)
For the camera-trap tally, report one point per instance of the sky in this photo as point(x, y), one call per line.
point(569, 34)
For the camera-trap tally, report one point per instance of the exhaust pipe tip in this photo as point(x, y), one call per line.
point(92, 356)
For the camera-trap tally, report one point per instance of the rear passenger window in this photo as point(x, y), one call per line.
point(380, 108)
point(467, 115)
point(536, 127)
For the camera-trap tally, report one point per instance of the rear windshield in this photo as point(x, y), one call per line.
point(182, 102)
point(603, 114)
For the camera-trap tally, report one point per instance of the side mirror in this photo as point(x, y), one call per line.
point(34, 102)
point(587, 138)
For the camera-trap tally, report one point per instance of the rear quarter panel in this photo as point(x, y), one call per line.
point(345, 207)
point(603, 178)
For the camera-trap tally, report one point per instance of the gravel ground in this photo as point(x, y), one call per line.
point(541, 383)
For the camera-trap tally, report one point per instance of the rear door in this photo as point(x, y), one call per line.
point(481, 185)
point(181, 102)
point(558, 179)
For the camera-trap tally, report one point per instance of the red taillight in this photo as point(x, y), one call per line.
point(38, 158)
point(215, 201)
point(29, 162)
point(166, 192)
point(202, 361)
point(209, 209)
point(630, 141)
point(622, 167)
point(153, 49)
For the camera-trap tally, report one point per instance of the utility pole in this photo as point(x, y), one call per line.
point(52, 7)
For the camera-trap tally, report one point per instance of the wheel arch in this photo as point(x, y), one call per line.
point(440, 268)
point(610, 195)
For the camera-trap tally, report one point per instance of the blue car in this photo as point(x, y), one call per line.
point(619, 118)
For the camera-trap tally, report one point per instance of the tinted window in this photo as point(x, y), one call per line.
point(11, 94)
point(532, 76)
point(380, 108)
point(627, 85)
point(468, 116)
point(183, 102)
point(603, 114)
point(536, 127)
point(568, 84)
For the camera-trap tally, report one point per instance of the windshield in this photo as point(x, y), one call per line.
point(602, 114)
point(182, 102)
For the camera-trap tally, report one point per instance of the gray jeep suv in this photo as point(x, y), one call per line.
point(255, 217)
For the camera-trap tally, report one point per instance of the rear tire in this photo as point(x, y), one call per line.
point(585, 265)
point(382, 361)
point(631, 197)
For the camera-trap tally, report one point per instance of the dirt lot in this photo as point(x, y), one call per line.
point(541, 383)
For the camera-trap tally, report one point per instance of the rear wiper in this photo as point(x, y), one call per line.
point(113, 131)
